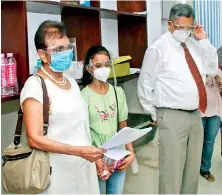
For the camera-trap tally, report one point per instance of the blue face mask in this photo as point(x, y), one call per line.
point(61, 61)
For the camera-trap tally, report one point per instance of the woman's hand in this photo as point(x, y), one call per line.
point(102, 170)
point(91, 153)
point(126, 162)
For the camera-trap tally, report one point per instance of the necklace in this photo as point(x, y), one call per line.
point(63, 82)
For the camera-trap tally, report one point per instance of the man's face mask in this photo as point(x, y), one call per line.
point(181, 35)
point(182, 32)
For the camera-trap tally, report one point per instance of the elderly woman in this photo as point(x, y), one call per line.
point(68, 139)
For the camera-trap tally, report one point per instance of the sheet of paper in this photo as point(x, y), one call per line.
point(134, 70)
point(125, 136)
point(116, 153)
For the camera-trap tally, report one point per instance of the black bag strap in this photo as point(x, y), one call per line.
point(18, 130)
point(117, 105)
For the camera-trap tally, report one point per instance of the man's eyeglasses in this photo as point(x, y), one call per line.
point(57, 49)
point(184, 27)
point(107, 64)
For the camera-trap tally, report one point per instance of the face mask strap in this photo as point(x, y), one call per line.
point(90, 67)
point(114, 74)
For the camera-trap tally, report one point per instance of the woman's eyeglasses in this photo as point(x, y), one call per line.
point(57, 49)
point(107, 64)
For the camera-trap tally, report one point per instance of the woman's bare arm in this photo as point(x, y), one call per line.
point(33, 116)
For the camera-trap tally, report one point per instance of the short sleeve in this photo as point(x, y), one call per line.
point(85, 95)
point(122, 104)
point(32, 89)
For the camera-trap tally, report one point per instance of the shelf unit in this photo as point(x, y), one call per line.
point(81, 22)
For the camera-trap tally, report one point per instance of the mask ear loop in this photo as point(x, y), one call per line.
point(90, 67)
point(114, 74)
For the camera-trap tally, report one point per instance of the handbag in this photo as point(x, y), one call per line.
point(27, 170)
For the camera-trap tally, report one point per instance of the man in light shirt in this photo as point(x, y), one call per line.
point(171, 88)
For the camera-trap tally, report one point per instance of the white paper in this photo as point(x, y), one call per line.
point(125, 136)
point(141, 13)
point(134, 70)
point(116, 153)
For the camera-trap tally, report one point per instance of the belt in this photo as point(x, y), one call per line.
point(179, 109)
point(185, 110)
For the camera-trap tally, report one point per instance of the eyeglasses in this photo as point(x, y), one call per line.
point(57, 49)
point(107, 64)
point(184, 27)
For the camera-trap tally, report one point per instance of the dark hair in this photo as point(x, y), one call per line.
point(49, 29)
point(92, 51)
point(181, 10)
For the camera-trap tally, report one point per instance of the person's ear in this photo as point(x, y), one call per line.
point(88, 69)
point(42, 55)
point(170, 26)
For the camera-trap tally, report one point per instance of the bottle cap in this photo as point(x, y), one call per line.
point(9, 55)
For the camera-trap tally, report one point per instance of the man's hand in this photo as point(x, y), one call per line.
point(199, 32)
point(154, 123)
point(91, 153)
point(126, 162)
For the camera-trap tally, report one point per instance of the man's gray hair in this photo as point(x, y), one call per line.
point(181, 10)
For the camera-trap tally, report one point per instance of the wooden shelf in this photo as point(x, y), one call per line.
point(51, 7)
point(131, 6)
point(112, 14)
point(14, 37)
point(9, 98)
point(82, 22)
point(85, 27)
point(57, 8)
point(132, 39)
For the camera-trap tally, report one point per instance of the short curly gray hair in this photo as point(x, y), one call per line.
point(181, 10)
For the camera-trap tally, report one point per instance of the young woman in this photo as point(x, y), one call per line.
point(101, 99)
point(211, 122)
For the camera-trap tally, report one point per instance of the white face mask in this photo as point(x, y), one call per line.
point(101, 74)
point(181, 35)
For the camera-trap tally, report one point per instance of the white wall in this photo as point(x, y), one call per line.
point(154, 28)
point(108, 4)
point(109, 29)
point(34, 20)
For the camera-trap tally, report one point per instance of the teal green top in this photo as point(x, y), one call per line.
point(103, 113)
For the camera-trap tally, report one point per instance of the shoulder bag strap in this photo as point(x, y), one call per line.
point(18, 130)
point(117, 108)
